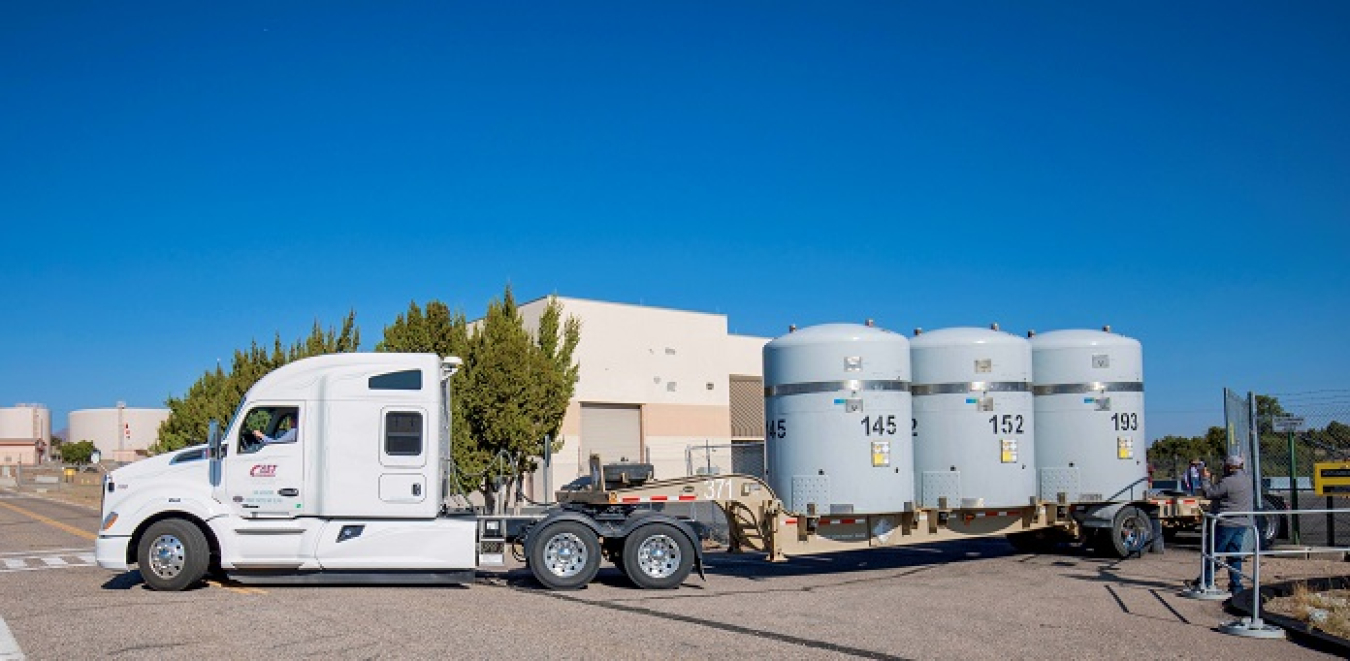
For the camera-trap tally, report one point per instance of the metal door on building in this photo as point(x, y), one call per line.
point(746, 399)
point(613, 431)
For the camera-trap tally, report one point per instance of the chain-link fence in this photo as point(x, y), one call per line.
point(1297, 431)
point(712, 460)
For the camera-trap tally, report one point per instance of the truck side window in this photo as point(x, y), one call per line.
point(275, 424)
point(405, 380)
point(403, 433)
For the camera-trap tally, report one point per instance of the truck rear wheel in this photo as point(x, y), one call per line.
point(173, 555)
point(566, 556)
point(658, 556)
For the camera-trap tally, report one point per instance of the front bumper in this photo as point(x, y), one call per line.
point(110, 552)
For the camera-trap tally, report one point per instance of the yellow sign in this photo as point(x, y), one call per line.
point(1124, 447)
point(1009, 450)
point(1331, 478)
point(881, 454)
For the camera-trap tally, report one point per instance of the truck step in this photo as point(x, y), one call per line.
point(491, 552)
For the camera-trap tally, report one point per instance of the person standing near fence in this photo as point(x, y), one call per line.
point(1231, 494)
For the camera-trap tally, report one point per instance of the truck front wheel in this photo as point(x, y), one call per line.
point(658, 556)
point(566, 556)
point(173, 555)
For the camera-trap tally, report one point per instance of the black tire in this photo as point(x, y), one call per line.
point(1129, 533)
point(1274, 525)
point(173, 555)
point(658, 556)
point(565, 555)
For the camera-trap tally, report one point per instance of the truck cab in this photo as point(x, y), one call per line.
point(333, 469)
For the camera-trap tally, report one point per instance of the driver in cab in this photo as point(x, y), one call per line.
point(288, 423)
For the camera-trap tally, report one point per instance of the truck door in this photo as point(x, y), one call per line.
point(263, 476)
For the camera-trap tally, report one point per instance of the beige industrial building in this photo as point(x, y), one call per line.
point(120, 433)
point(25, 434)
point(653, 383)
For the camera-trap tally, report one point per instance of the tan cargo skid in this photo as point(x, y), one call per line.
point(757, 520)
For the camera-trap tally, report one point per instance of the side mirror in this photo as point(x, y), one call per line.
point(214, 451)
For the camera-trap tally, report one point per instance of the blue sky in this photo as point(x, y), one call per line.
point(177, 179)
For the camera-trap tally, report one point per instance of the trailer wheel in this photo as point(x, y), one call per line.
point(173, 555)
point(1130, 531)
point(566, 556)
point(657, 556)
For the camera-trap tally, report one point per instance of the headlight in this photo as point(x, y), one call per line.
point(109, 520)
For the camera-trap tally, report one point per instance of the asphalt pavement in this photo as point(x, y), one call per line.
point(972, 600)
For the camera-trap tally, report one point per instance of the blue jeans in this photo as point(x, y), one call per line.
point(1228, 539)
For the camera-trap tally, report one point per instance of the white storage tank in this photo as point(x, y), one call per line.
point(25, 433)
point(837, 416)
point(121, 433)
point(27, 422)
point(1089, 388)
point(974, 443)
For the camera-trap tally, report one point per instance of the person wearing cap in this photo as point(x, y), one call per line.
point(1231, 494)
point(1192, 480)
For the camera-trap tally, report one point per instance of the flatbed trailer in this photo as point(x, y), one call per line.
point(655, 549)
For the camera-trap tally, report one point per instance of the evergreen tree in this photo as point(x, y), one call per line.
point(217, 394)
point(1170, 455)
point(512, 391)
point(446, 334)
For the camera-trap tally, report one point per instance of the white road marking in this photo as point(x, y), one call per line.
point(47, 561)
point(30, 552)
point(9, 648)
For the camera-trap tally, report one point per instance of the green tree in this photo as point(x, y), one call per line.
point(1170, 455)
point(77, 453)
point(512, 391)
point(444, 333)
point(217, 393)
point(1267, 409)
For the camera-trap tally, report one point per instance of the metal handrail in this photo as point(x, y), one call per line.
point(1211, 559)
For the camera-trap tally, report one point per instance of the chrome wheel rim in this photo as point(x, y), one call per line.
point(658, 556)
point(565, 555)
point(1131, 532)
point(167, 556)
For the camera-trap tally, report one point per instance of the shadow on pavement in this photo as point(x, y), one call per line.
point(124, 581)
point(751, 566)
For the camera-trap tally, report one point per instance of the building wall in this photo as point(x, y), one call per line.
point(675, 364)
point(25, 433)
point(121, 433)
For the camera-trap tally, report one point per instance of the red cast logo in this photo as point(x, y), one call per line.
point(263, 470)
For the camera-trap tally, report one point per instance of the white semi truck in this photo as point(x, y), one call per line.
point(359, 493)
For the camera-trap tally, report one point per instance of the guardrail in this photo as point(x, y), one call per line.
point(1212, 560)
